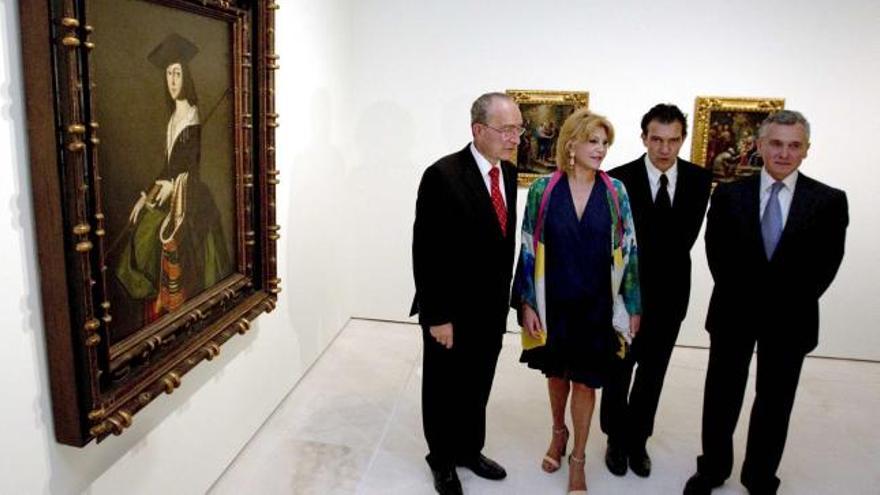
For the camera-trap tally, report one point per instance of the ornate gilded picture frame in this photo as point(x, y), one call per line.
point(725, 134)
point(543, 114)
point(151, 137)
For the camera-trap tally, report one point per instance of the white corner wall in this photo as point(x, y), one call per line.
point(181, 443)
point(417, 65)
point(369, 94)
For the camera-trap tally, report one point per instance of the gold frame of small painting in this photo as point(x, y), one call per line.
point(726, 134)
point(543, 114)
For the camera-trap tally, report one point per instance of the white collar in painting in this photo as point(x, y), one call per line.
point(180, 120)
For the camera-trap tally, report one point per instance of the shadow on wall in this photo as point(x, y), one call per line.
point(317, 228)
point(456, 120)
point(384, 135)
point(33, 412)
point(25, 410)
point(384, 182)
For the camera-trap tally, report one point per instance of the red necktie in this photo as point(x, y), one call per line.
point(497, 200)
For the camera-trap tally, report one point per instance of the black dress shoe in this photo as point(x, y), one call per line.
point(640, 463)
point(484, 467)
point(615, 459)
point(446, 481)
point(767, 488)
point(699, 485)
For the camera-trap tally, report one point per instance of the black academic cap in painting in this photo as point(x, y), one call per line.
point(174, 48)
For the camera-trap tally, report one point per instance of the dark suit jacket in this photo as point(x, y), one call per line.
point(779, 298)
point(462, 264)
point(665, 251)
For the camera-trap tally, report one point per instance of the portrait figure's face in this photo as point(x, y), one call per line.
point(174, 77)
point(783, 148)
point(591, 152)
point(663, 141)
point(745, 143)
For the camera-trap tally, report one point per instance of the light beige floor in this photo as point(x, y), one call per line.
point(353, 425)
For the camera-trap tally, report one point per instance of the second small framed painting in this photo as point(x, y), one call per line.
point(726, 134)
point(543, 114)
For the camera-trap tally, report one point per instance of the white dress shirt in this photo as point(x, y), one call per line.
point(654, 174)
point(485, 167)
point(785, 194)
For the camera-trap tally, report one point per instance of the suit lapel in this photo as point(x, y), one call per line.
point(799, 212)
point(510, 196)
point(474, 182)
point(681, 203)
point(751, 202)
point(641, 185)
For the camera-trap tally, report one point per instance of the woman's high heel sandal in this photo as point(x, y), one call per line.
point(551, 462)
point(576, 463)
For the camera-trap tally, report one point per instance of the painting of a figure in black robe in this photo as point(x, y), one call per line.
point(168, 164)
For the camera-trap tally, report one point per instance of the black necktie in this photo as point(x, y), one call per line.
point(662, 201)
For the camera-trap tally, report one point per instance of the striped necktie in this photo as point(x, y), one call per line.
point(497, 200)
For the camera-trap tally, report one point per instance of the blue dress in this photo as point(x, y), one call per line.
point(580, 339)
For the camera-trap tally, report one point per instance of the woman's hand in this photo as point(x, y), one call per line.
point(635, 322)
point(138, 206)
point(165, 189)
point(531, 322)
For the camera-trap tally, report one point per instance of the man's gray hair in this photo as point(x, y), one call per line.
point(480, 108)
point(784, 117)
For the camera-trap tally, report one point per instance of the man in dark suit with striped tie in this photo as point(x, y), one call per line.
point(774, 243)
point(668, 197)
point(463, 246)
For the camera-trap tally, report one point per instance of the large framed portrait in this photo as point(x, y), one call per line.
point(543, 113)
point(151, 133)
point(726, 134)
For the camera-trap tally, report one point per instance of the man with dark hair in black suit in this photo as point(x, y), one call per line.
point(463, 246)
point(774, 243)
point(668, 197)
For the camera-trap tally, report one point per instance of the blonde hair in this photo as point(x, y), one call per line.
point(577, 128)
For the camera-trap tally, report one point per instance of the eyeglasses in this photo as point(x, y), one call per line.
point(508, 132)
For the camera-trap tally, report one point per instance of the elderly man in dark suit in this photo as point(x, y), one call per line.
point(669, 198)
point(463, 246)
point(774, 243)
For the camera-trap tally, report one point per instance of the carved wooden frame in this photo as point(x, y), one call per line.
point(89, 401)
point(706, 106)
point(573, 99)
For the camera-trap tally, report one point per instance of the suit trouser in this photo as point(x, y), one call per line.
point(627, 415)
point(778, 372)
point(455, 390)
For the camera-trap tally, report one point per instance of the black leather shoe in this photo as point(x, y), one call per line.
point(615, 459)
point(699, 485)
point(446, 481)
point(484, 467)
point(640, 463)
point(761, 491)
point(767, 488)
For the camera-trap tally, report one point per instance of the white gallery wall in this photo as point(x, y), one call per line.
point(182, 442)
point(417, 66)
point(370, 92)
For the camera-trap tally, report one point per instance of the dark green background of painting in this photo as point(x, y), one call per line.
point(133, 116)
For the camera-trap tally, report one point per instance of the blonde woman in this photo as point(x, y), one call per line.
point(576, 286)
